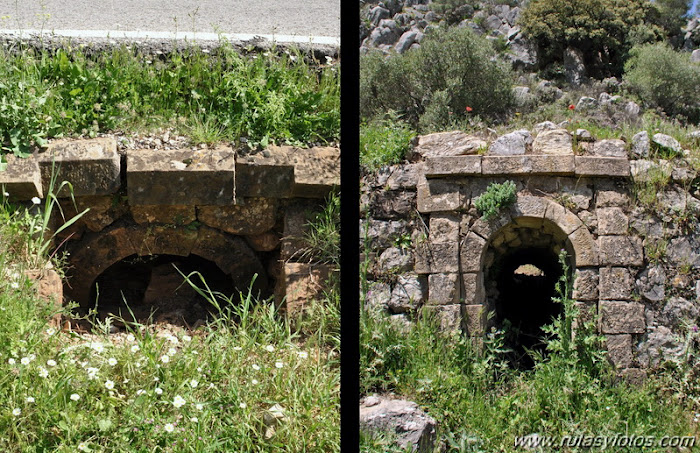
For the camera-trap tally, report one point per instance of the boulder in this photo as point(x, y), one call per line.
point(412, 427)
point(666, 143)
point(640, 145)
point(511, 144)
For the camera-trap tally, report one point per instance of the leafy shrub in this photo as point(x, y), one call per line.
point(384, 142)
point(603, 30)
point(455, 62)
point(496, 197)
point(664, 78)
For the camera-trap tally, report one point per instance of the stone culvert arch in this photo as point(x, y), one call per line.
point(231, 214)
point(514, 264)
point(98, 251)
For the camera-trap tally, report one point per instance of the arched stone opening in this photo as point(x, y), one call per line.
point(138, 251)
point(153, 288)
point(521, 270)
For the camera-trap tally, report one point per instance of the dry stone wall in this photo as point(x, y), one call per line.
point(246, 213)
point(638, 267)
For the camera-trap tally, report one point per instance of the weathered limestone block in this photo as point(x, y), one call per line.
point(611, 198)
point(612, 221)
point(316, 170)
point(264, 242)
point(395, 260)
point(610, 148)
point(453, 165)
point(528, 164)
point(659, 345)
point(472, 249)
point(621, 250)
point(615, 283)
point(601, 166)
point(443, 289)
point(475, 320)
point(169, 214)
point(254, 216)
point(511, 144)
point(303, 283)
point(436, 257)
point(449, 317)
point(233, 256)
point(586, 284)
point(566, 220)
point(557, 141)
point(296, 218)
point(444, 227)
point(164, 239)
point(651, 283)
point(404, 177)
point(666, 143)
point(435, 195)
point(21, 179)
point(179, 177)
point(473, 288)
point(91, 166)
point(622, 317)
point(641, 145)
point(409, 292)
point(392, 204)
point(383, 233)
point(620, 350)
point(684, 251)
point(585, 247)
point(377, 297)
point(679, 310)
point(443, 144)
point(103, 210)
point(413, 428)
point(287, 171)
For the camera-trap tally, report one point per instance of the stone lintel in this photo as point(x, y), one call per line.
point(528, 164)
point(453, 166)
point(602, 166)
point(91, 166)
point(21, 179)
point(180, 177)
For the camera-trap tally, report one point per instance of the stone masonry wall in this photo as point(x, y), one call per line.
point(637, 267)
point(247, 214)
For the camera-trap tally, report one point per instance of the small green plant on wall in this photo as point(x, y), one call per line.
point(496, 197)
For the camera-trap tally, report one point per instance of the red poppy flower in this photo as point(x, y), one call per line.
point(572, 106)
point(468, 109)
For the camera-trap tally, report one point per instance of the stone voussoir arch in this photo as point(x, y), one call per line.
point(98, 251)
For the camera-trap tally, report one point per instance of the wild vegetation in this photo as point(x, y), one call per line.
point(482, 404)
point(279, 97)
point(456, 79)
point(250, 380)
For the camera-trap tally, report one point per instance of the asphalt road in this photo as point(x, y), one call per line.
point(279, 18)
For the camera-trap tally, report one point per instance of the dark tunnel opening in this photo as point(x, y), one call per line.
point(149, 289)
point(526, 280)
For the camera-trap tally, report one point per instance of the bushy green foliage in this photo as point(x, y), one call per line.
point(604, 31)
point(384, 142)
point(455, 62)
point(496, 197)
point(666, 79)
point(272, 97)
